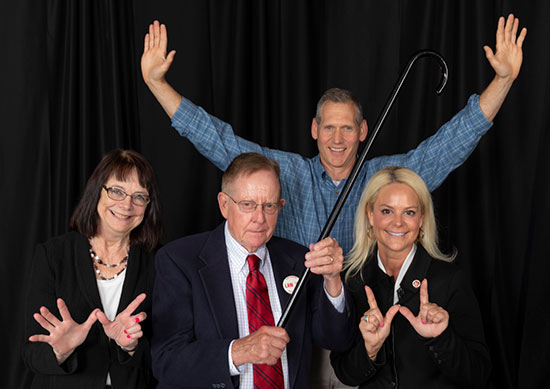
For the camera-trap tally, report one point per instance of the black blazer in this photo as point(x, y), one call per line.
point(195, 318)
point(62, 267)
point(455, 359)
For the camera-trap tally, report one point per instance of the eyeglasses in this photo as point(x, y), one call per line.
point(117, 194)
point(249, 206)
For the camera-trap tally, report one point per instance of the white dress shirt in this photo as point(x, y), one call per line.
point(238, 267)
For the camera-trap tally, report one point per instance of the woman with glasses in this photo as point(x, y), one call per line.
point(419, 321)
point(90, 289)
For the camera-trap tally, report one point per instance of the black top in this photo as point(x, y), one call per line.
point(457, 358)
point(62, 268)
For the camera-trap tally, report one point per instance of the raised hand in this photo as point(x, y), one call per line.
point(264, 346)
point(125, 330)
point(508, 55)
point(374, 326)
point(154, 61)
point(326, 258)
point(432, 320)
point(65, 334)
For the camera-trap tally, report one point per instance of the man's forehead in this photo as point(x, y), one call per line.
point(332, 110)
point(260, 180)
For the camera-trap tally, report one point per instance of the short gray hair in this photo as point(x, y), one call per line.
point(337, 95)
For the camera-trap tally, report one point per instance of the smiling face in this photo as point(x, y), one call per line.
point(338, 137)
point(118, 218)
point(396, 218)
point(251, 230)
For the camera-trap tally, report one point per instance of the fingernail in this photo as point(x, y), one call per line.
point(125, 332)
point(128, 336)
point(423, 321)
point(137, 319)
point(382, 324)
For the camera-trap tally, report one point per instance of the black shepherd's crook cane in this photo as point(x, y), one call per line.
point(359, 164)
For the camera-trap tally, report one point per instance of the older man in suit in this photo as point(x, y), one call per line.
point(218, 294)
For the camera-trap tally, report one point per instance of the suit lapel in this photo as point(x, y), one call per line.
point(132, 272)
point(283, 266)
point(216, 279)
point(379, 282)
point(85, 272)
point(415, 274)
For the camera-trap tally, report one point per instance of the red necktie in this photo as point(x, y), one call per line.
point(259, 314)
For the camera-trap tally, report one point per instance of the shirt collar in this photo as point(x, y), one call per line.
point(318, 167)
point(404, 267)
point(323, 174)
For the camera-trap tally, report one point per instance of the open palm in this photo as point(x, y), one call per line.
point(508, 55)
point(65, 335)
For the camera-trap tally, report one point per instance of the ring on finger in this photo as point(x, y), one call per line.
point(331, 259)
point(366, 318)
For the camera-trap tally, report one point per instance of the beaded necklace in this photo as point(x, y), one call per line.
point(97, 261)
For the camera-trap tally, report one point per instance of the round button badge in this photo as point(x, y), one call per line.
point(289, 283)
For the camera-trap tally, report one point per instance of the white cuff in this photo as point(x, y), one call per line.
point(338, 302)
point(233, 370)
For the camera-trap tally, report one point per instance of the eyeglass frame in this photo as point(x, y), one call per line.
point(277, 205)
point(132, 196)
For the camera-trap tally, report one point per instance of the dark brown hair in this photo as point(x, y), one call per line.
point(120, 164)
point(247, 164)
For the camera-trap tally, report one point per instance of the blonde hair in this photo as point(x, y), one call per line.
point(364, 244)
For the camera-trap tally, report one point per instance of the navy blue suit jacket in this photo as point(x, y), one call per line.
point(195, 319)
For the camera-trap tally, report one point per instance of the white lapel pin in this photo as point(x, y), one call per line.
point(289, 283)
point(416, 284)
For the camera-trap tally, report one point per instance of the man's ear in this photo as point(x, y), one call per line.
point(314, 129)
point(363, 130)
point(223, 203)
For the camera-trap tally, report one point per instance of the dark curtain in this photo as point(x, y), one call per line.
point(70, 96)
point(72, 90)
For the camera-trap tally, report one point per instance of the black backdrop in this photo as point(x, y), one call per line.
point(71, 90)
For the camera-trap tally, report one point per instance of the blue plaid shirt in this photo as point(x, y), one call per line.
point(308, 189)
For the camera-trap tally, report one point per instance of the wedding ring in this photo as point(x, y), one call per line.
point(366, 318)
point(331, 259)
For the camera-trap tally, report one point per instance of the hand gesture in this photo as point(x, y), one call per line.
point(125, 330)
point(154, 61)
point(432, 320)
point(326, 258)
point(65, 334)
point(264, 346)
point(506, 61)
point(375, 327)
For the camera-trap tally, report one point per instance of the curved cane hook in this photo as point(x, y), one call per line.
point(359, 164)
point(442, 66)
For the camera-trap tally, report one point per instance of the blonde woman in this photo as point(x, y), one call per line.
point(419, 322)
